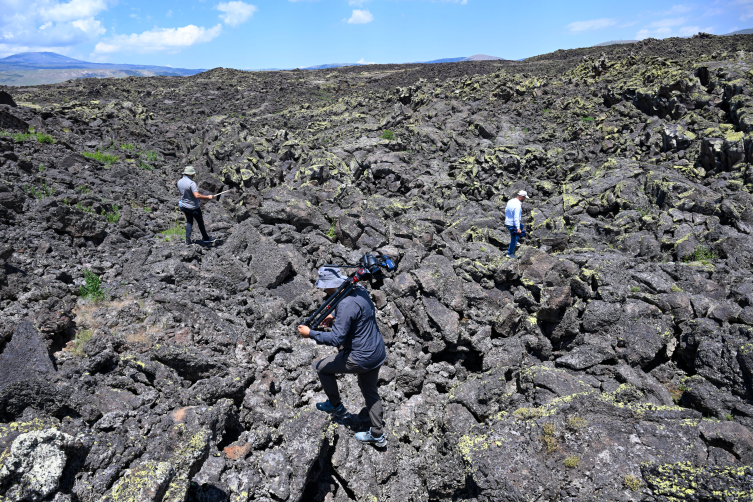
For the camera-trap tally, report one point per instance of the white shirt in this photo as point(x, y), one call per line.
point(512, 213)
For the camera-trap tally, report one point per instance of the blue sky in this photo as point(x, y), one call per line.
point(297, 33)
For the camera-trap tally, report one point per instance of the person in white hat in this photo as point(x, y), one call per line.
point(189, 204)
point(513, 211)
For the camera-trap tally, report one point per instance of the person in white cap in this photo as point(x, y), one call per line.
point(513, 211)
point(189, 204)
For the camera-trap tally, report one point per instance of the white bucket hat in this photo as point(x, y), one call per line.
point(523, 193)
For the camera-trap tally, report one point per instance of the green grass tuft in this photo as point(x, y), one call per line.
point(114, 216)
point(92, 290)
point(587, 119)
point(174, 230)
point(40, 193)
point(102, 157)
point(700, 253)
point(82, 337)
point(388, 135)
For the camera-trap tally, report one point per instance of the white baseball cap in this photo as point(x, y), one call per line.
point(523, 193)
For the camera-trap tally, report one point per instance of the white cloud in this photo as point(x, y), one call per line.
point(357, 3)
point(363, 61)
point(236, 12)
point(593, 24)
point(169, 13)
point(360, 17)
point(159, 39)
point(671, 27)
point(75, 9)
point(49, 24)
point(90, 26)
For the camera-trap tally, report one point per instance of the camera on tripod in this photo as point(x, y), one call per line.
point(369, 267)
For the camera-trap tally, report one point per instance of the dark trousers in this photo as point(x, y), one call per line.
point(329, 367)
point(514, 236)
point(192, 214)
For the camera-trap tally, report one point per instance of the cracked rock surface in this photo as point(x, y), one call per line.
point(613, 361)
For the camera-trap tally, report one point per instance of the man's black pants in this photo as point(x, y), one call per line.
point(329, 367)
point(192, 214)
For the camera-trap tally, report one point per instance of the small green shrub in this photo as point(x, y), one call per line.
point(700, 253)
point(635, 289)
point(114, 216)
point(81, 338)
point(83, 189)
point(728, 417)
point(41, 168)
point(41, 192)
point(331, 234)
point(388, 135)
point(92, 289)
point(546, 110)
point(145, 166)
point(128, 147)
point(588, 119)
point(83, 208)
point(151, 156)
point(45, 138)
point(631, 482)
point(571, 462)
point(102, 157)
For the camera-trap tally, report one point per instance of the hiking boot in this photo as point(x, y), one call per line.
point(368, 438)
point(210, 240)
point(338, 411)
point(511, 256)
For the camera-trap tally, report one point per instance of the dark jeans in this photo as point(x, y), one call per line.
point(329, 367)
point(192, 214)
point(514, 236)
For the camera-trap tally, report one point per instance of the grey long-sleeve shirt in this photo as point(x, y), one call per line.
point(355, 328)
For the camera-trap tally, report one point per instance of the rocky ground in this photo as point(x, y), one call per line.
point(614, 361)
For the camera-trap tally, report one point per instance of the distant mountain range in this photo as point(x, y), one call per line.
point(35, 68)
point(477, 57)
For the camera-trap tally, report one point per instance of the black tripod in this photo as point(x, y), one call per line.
point(370, 267)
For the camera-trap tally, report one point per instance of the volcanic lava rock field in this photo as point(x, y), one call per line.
point(612, 362)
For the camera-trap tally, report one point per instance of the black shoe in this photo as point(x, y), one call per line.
point(210, 240)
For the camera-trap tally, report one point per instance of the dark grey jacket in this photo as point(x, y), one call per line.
point(355, 328)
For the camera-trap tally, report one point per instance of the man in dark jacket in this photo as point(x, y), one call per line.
point(354, 328)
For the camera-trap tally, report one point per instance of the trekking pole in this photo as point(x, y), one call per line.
point(226, 191)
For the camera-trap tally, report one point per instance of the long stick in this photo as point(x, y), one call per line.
point(226, 191)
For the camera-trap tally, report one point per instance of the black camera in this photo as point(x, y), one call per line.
point(369, 267)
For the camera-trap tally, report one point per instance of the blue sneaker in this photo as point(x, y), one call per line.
point(368, 438)
point(339, 411)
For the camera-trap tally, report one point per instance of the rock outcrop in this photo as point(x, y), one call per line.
point(613, 361)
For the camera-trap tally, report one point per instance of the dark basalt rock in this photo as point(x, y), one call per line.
point(612, 361)
point(7, 99)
